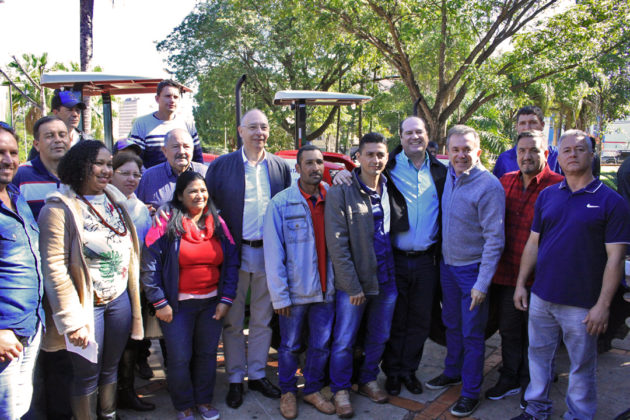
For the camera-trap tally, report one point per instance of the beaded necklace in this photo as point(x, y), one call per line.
point(102, 219)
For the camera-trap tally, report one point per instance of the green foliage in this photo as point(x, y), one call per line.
point(25, 112)
point(280, 45)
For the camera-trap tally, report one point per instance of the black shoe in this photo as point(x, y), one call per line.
point(392, 385)
point(523, 403)
point(127, 398)
point(524, 416)
point(265, 387)
point(234, 397)
point(144, 370)
point(503, 388)
point(412, 384)
point(464, 407)
point(443, 381)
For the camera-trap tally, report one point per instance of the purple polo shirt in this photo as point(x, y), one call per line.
point(574, 229)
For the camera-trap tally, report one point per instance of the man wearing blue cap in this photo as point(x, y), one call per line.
point(67, 105)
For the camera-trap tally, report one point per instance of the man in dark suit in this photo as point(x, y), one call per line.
point(241, 184)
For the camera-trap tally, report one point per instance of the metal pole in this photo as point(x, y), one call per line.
point(11, 103)
point(300, 123)
point(107, 120)
point(239, 140)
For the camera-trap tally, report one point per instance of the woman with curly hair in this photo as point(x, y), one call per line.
point(190, 274)
point(89, 253)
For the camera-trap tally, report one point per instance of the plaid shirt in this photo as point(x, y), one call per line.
point(519, 213)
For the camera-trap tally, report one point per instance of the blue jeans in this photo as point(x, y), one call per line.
point(191, 341)
point(379, 310)
point(16, 379)
point(112, 324)
point(320, 318)
point(547, 322)
point(465, 329)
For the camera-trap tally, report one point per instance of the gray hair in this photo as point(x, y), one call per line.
point(462, 130)
point(579, 135)
point(534, 134)
point(171, 134)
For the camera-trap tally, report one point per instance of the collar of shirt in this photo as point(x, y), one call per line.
point(13, 192)
point(403, 158)
point(322, 194)
point(538, 178)
point(592, 187)
point(169, 169)
point(451, 172)
point(39, 167)
point(245, 160)
point(382, 180)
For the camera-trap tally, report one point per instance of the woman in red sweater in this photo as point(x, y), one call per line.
point(190, 274)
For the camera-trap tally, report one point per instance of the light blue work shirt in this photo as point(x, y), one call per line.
point(423, 204)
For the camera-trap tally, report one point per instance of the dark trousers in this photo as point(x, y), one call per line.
point(513, 331)
point(51, 387)
point(417, 279)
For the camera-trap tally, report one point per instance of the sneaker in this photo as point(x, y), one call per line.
point(317, 400)
point(343, 405)
point(524, 416)
point(187, 414)
point(443, 381)
point(502, 389)
point(208, 412)
point(373, 392)
point(288, 405)
point(464, 407)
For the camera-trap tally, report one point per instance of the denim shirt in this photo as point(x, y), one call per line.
point(291, 260)
point(21, 285)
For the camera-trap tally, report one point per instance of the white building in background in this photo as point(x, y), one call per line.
point(616, 139)
point(127, 114)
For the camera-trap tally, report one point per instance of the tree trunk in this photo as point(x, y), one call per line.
point(86, 45)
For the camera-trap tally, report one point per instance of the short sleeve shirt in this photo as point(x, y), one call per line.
point(574, 229)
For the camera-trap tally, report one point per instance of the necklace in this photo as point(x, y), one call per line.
point(102, 219)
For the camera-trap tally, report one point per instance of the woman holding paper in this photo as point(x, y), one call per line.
point(89, 253)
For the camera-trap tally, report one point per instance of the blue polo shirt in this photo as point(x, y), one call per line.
point(574, 229)
point(21, 285)
point(423, 204)
point(382, 242)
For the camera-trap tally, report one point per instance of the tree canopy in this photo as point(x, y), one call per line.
point(462, 61)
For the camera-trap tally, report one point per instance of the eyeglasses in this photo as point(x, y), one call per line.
point(253, 127)
point(127, 174)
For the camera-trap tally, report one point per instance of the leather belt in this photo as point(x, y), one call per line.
point(429, 251)
point(254, 244)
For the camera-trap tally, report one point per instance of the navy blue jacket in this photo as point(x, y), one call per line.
point(226, 185)
point(159, 270)
point(21, 282)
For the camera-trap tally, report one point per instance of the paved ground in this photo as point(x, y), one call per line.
point(612, 381)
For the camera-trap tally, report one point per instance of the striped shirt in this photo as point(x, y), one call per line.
point(149, 131)
point(35, 183)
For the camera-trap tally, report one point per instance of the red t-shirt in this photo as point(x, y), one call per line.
point(317, 214)
point(200, 258)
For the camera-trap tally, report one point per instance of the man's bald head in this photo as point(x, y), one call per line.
point(254, 130)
